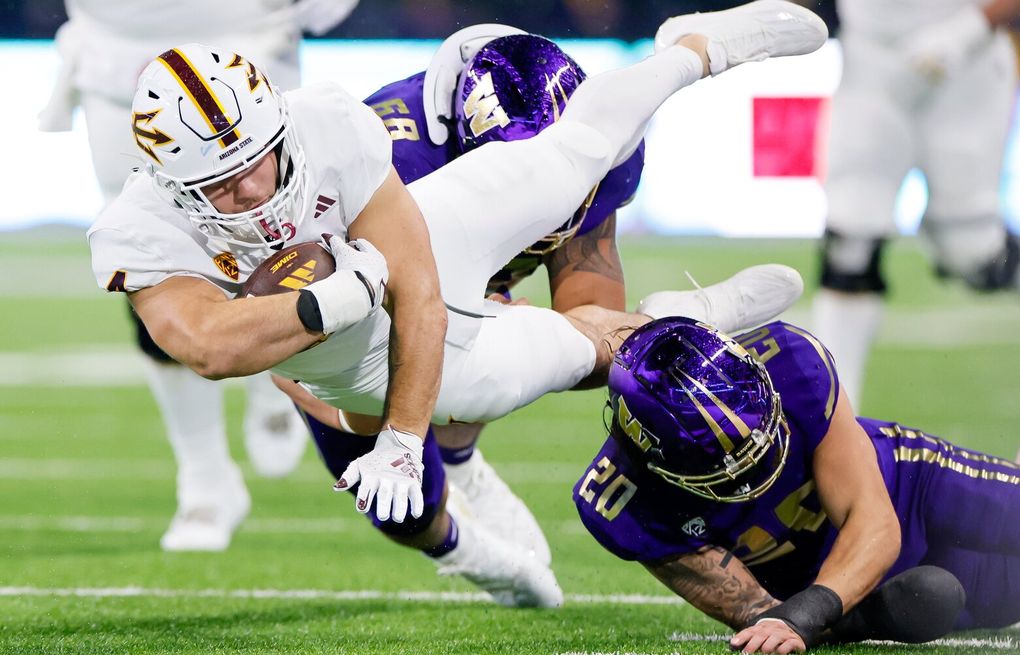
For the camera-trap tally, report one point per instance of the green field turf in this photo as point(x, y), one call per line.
point(87, 485)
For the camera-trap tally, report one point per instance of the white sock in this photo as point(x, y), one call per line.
point(847, 323)
point(460, 474)
point(192, 409)
point(263, 397)
point(619, 103)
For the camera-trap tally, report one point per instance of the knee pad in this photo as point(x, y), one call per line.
point(852, 264)
point(1000, 272)
point(145, 342)
point(977, 250)
point(918, 605)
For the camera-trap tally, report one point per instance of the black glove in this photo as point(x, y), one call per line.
point(808, 613)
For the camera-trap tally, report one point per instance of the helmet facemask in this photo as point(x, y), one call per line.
point(565, 232)
point(699, 410)
point(741, 478)
point(266, 226)
point(202, 115)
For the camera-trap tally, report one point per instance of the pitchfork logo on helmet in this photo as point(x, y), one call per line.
point(514, 87)
point(201, 115)
point(698, 409)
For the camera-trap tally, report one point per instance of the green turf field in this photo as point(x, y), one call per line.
point(87, 483)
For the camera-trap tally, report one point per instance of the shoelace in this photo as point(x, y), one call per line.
point(701, 293)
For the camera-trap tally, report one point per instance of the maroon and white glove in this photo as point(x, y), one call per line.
point(391, 475)
point(356, 289)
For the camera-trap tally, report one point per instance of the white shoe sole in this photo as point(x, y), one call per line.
point(751, 32)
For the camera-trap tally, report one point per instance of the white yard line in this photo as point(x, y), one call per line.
point(150, 469)
point(114, 365)
point(317, 594)
point(113, 524)
point(990, 643)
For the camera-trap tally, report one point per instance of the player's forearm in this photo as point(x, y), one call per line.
point(416, 360)
point(1001, 12)
point(587, 271)
point(867, 545)
point(239, 337)
point(589, 289)
point(717, 583)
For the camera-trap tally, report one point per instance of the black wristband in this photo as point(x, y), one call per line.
point(808, 613)
point(308, 311)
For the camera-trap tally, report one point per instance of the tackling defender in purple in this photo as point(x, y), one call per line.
point(511, 88)
point(736, 472)
point(492, 83)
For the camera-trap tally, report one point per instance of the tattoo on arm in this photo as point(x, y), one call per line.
point(593, 252)
point(716, 583)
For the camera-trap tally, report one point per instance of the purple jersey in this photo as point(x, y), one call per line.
point(401, 107)
point(952, 503)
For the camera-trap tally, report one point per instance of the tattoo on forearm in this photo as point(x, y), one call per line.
point(707, 581)
point(594, 252)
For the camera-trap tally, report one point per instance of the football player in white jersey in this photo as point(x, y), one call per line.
point(931, 84)
point(239, 170)
point(104, 46)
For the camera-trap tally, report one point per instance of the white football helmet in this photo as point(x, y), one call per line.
point(202, 114)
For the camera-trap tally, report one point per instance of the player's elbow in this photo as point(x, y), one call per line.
point(216, 363)
point(211, 354)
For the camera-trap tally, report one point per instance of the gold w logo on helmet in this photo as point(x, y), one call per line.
point(482, 107)
point(147, 138)
point(255, 76)
point(552, 85)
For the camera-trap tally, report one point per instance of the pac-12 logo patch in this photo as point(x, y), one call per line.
point(695, 527)
point(227, 263)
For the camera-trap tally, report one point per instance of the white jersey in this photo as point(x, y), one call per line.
point(140, 239)
point(107, 43)
point(890, 20)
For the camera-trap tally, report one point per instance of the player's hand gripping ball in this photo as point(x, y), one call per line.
point(291, 269)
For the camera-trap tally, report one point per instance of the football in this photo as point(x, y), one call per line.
point(290, 269)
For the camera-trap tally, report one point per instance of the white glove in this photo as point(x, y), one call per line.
point(940, 48)
point(357, 287)
point(320, 16)
point(391, 475)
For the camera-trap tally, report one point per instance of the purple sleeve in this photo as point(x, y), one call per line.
point(400, 107)
point(802, 372)
point(633, 515)
point(616, 190)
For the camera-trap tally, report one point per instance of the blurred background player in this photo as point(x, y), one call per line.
point(725, 474)
point(104, 46)
point(497, 83)
point(928, 84)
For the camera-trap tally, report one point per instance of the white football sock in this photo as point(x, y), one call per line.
point(263, 397)
point(619, 103)
point(847, 323)
point(192, 409)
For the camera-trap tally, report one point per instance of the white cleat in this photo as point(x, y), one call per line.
point(496, 507)
point(275, 437)
point(751, 32)
point(753, 296)
point(207, 521)
point(509, 574)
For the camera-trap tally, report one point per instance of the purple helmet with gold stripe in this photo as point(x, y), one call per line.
point(514, 87)
point(698, 409)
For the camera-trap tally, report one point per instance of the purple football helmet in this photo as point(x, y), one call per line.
point(513, 88)
point(698, 409)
